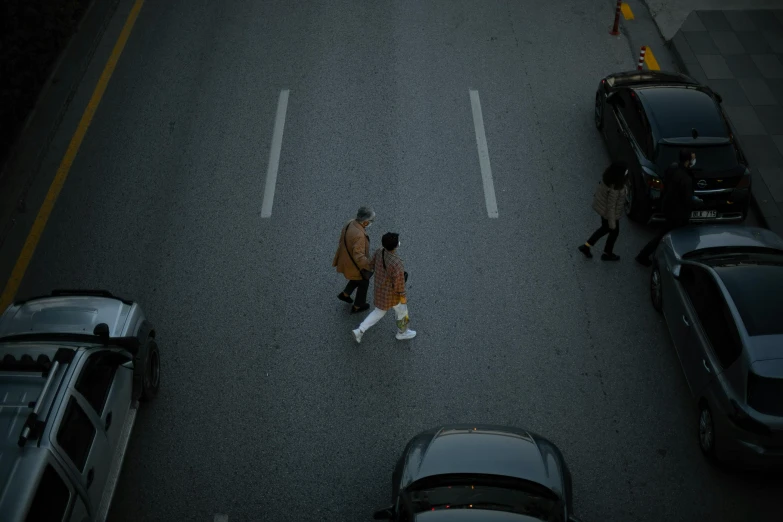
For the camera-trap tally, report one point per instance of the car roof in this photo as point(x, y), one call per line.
point(676, 110)
point(757, 292)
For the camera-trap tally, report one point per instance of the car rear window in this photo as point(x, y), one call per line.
point(764, 394)
point(712, 158)
point(757, 291)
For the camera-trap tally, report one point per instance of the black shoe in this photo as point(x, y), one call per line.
point(609, 257)
point(586, 251)
point(343, 297)
point(360, 309)
point(643, 261)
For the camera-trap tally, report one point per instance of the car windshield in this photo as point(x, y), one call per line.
point(519, 497)
point(755, 284)
point(712, 158)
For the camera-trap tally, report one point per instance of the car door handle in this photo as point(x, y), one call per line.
point(90, 476)
point(685, 320)
point(705, 366)
point(108, 421)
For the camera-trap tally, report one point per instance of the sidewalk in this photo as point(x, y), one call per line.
point(739, 54)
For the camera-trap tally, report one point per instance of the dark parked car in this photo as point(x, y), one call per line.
point(720, 288)
point(480, 472)
point(646, 117)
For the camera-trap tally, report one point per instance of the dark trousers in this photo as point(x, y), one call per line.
point(361, 294)
point(650, 247)
point(601, 232)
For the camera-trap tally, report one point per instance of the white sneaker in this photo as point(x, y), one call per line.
point(407, 334)
point(357, 334)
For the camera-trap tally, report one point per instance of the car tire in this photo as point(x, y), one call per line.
point(151, 371)
point(706, 432)
point(598, 112)
point(656, 288)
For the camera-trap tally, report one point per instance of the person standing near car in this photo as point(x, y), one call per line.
point(390, 278)
point(676, 202)
point(352, 259)
point(608, 201)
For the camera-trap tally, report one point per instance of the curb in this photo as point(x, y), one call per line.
point(757, 179)
point(28, 151)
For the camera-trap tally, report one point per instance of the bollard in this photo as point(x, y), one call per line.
point(641, 58)
point(616, 27)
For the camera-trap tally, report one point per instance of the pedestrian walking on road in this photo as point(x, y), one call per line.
point(352, 259)
point(608, 201)
point(390, 279)
point(676, 202)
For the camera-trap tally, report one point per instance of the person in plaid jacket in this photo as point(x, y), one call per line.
point(389, 289)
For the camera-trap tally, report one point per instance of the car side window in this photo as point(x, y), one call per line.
point(76, 434)
point(713, 313)
point(51, 498)
point(96, 378)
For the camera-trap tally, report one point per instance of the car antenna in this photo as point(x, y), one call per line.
point(694, 134)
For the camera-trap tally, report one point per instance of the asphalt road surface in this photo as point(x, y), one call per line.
point(269, 410)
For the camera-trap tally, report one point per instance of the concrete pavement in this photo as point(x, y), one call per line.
point(269, 410)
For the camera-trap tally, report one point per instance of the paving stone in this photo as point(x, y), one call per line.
point(697, 73)
point(702, 43)
point(769, 65)
point(683, 48)
point(715, 67)
point(727, 42)
point(773, 177)
point(763, 196)
point(731, 92)
point(757, 91)
point(753, 42)
point(774, 39)
point(745, 120)
point(761, 151)
point(714, 20)
point(771, 116)
point(765, 20)
point(740, 21)
point(693, 23)
point(743, 67)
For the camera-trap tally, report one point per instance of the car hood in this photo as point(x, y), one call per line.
point(66, 314)
point(688, 239)
point(487, 450)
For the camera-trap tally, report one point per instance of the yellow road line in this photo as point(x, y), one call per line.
point(650, 61)
point(627, 13)
point(11, 287)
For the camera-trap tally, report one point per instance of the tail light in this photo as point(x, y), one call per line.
point(744, 181)
point(651, 180)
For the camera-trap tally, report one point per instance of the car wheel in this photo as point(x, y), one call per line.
point(706, 431)
point(151, 376)
point(656, 289)
point(599, 112)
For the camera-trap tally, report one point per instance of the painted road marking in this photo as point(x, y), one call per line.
point(274, 155)
point(483, 152)
point(17, 274)
point(649, 59)
point(221, 518)
point(627, 13)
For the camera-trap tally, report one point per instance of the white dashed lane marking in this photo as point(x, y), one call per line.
point(221, 518)
point(483, 152)
point(274, 155)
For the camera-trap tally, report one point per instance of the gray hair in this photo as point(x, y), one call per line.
point(365, 214)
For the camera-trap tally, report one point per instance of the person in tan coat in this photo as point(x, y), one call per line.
point(352, 259)
point(609, 202)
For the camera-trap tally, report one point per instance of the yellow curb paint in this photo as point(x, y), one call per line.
point(627, 13)
point(649, 59)
point(11, 287)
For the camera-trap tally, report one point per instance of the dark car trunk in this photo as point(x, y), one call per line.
point(717, 166)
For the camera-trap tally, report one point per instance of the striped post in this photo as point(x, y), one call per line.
point(641, 58)
point(616, 27)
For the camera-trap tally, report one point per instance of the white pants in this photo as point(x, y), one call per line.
point(370, 321)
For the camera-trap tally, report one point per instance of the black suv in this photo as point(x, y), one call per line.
point(646, 117)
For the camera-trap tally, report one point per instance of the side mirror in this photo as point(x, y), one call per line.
point(384, 514)
point(676, 271)
point(718, 97)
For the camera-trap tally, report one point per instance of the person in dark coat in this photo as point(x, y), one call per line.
point(353, 257)
point(608, 202)
point(676, 202)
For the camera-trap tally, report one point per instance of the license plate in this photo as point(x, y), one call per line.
point(699, 214)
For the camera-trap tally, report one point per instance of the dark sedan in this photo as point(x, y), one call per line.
point(480, 472)
point(647, 117)
point(720, 288)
